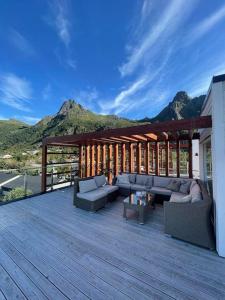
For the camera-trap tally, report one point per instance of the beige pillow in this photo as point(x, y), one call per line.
point(186, 199)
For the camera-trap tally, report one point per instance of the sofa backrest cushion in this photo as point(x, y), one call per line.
point(131, 176)
point(100, 180)
point(87, 185)
point(174, 185)
point(124, 179)
point(161, 181)
point(196, 193)
point(185, 186)
point(141, 179)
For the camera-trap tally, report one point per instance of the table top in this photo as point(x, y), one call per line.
point(139, 199)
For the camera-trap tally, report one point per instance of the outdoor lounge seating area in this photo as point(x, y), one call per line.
point(133, 159)
point(187, 206)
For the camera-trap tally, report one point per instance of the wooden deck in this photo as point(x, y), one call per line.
point(51, 250)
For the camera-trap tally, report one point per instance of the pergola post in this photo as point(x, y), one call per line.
point(123, 157)
point(138, 157)
point(98, 158)
point(44, 168)
point(147, 152)
point(116, 153)
point(110, 163)
point(87, 160)
point(103, 158)
point(156, 158)
point(92, 160)
point(190, 158)
point(131, 158)
point(167, 157)
point(80, 161)
point(178, 157)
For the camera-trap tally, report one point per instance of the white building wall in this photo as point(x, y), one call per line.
point(218, 161)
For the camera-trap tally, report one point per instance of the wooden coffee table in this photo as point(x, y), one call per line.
point(140, 204)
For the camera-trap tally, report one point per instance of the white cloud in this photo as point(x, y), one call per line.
point(169, 20)
point(60, 19)
point(139, 91)
point(27, 119)
point(21, 43)
point(46, 93)
point(206, 25)
point(15, 91)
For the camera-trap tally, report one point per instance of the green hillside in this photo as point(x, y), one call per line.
point(72, 118)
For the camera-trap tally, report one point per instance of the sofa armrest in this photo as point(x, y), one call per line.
point(190, 222)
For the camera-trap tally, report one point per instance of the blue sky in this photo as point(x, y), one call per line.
point(124, 57)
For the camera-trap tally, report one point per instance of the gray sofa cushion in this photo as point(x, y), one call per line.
point(196, 193)
point(138, 187)
point(132, 178)
point(109, 188)
point(100, 180)
point(123, 179)
point(160, 191)
point(87, 185)
point(123, 185)
point(92, 195)
point(161, 181)
point(185, 186)
point(174, 185)
point(142, 179)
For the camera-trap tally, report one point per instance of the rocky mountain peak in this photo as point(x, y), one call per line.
point(69, 105)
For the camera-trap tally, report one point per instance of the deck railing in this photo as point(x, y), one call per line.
point(26, 182)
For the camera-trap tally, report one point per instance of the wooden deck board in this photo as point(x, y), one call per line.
point(49, 249)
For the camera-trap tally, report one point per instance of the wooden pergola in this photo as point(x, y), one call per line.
point(130, 149)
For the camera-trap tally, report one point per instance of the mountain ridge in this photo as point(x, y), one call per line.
point(73, 118)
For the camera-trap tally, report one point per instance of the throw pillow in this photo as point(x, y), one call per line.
point(196, 193)
point(194, 182)
point(100, 180)
point(174, 185)
point(186, 199)
point(87, 185)
point(185, 186)
point(124, 179)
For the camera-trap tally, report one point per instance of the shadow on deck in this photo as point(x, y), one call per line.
point(50, 249)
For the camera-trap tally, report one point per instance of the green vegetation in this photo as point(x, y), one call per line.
point(72, 118)
point(16, 193)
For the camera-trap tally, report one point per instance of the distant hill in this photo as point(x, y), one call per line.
point(181, 107)
point(72, 118)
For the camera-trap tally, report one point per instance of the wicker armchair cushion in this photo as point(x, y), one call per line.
point(87, 185)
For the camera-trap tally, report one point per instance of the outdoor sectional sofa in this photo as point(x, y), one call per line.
point(92, 193)
point(188, 211)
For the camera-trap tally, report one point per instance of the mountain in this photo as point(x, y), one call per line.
point(181, 107)
point(72, 118)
